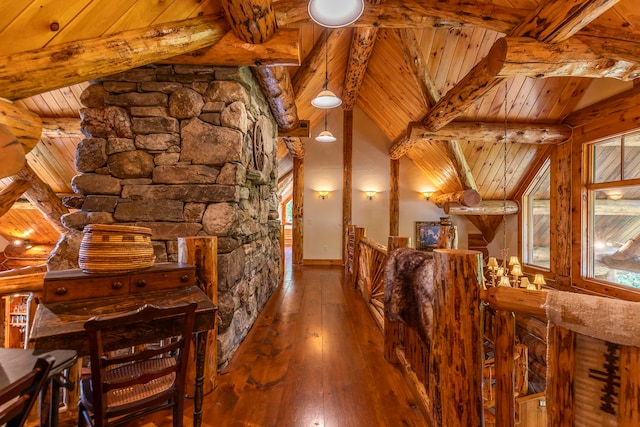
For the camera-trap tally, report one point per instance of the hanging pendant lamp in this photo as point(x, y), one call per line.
point(326, 98)
point(335, 13)
point(325, 135)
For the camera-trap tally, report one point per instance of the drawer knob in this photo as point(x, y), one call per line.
point(116, 285)
point(141, 283)
point(185, 278)
point(61, 291)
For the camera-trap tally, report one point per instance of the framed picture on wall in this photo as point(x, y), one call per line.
point(427, 233)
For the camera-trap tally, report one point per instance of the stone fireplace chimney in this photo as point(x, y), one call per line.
point(184, 151)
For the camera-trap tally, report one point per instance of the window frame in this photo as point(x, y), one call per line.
point(583, 202)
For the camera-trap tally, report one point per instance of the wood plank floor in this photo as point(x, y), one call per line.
point(313, 358)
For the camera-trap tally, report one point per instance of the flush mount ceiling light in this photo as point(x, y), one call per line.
point(335, 13)
point(326, 98)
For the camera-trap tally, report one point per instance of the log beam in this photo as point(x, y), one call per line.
point(29, 73)
point(362, 43)
point(465, 198)
point(493, 133)
point(283, 48)
point(551, 22)
point(11, 194)
point(23, 124)
point(303, 130)
point(43, 198)
point(61, 127)
point(12, 155)
point(314, 61)
point(295, 146)
point(414, 57)
point(485, 207)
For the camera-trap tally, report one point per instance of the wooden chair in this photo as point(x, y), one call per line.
point(132, 382)
point(17, 400)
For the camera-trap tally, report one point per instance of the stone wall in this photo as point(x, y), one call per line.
point(185, 151)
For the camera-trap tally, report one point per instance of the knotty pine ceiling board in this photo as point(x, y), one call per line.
point(432, 159)
point(53, 160)
point(27, 224)
point(389, 95)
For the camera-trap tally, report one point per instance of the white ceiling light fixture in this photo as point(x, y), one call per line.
point(326, 98)
point(325, 135)
point(335, 13)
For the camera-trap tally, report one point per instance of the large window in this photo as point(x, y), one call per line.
point(613, 189)
point(536, 214)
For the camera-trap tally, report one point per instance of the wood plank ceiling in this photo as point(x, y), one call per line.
point(391, 94)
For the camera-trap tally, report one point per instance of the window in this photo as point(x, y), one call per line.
point(288, 212)
point(613, 213)
point(536, 219)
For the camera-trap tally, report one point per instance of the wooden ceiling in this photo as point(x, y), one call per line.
point(421, 52)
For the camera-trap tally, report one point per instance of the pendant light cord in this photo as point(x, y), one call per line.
point(504, 182)
point(326, 59)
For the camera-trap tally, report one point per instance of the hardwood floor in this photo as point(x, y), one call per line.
point(313, 358)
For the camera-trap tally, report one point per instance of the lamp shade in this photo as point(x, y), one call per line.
point(335, 13)
point(326, 99)
point(325, 136)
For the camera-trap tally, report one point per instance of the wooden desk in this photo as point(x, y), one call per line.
point(61, 325)
point(16, 362)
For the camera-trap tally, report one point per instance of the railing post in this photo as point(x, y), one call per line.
point(202, 251)
point(360, 232)
point(503, 354)
point(393, 331)
point(456, 362)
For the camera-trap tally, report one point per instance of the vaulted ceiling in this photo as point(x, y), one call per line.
point(433, 75)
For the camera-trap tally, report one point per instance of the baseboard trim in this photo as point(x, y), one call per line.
point(322, 262)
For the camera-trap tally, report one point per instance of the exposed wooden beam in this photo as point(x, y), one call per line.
point(524, 56)
point(12, 156)
point(61, 127)
point(295, 146)
point(23, 124)
point(314, 61)
point(11, 194)
point(416, 14)
point(414, 56)
point(303, 130)
point(363, 40)
point(254, 21)
point(283, 48)
point(551, 21)
point(29, 73)
point(611, 42)
point(610, 107)
point(465, 198)
point(554, 21)
point(522, 133)
point(485, 207)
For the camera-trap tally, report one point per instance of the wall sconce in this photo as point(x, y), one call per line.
point(614, 196)
point(370, 194)
point(427, 195)
point(323, 194)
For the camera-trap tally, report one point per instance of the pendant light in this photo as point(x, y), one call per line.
point(326, 98)
point(335, 13)
point(325, 135)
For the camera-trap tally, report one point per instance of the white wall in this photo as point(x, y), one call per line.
point(323, 171)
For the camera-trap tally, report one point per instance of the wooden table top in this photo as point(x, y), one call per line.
point(61, 324)
point(17, 362)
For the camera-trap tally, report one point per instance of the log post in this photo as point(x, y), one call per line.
point(394, 198)
point(560, 376)
point(456, 359)
point(203, 253)
point(468, 197)
point(393, 331)
point(504, 397)
point(297, 210)
point(448, 236)
point(347, 180)
point(629, 402)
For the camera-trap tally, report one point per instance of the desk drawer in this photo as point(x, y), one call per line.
point(94, 287)
point(154, 281)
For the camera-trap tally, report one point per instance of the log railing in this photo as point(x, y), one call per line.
point(372, 257)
